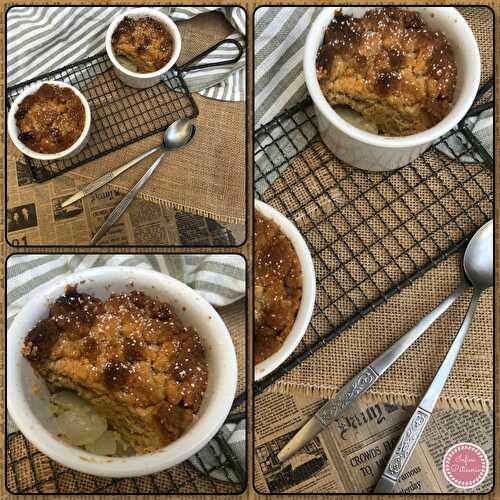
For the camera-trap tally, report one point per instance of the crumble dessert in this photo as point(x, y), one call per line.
point(51, 119)
point(278, 287)
point(389, 67)
point(130, 357)
point(143, 42)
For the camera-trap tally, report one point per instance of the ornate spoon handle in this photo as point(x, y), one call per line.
point(364, 380)
point(413, 430)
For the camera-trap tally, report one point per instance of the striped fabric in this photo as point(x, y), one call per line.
point(280, 34)
point(220, 279)
point(481, 126)
point(42, 39)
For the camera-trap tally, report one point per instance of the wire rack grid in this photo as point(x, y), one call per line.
point(27, 470)
point(120, 114)
point(370, 234)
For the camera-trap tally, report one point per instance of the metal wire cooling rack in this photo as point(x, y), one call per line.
point(370, 234)
point(30, 471)
point(121, 115)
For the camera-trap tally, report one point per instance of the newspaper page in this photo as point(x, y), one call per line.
point(35, 216)
point(351, 454)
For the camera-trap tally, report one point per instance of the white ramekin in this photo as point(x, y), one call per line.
point(377, 153)
point(31, 414)
point(143, 80)
point(14, 131)
point(306, 307)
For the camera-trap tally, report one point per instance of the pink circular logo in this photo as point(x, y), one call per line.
point(465, 465)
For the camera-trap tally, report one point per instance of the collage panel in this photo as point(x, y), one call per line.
point(126, 126)
point(374, 200)
point(125, 373)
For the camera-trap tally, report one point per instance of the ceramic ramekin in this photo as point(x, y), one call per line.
point(143, 80)
point(306, 307)
point(14, 131)
point(377, 153)
point(31, 414)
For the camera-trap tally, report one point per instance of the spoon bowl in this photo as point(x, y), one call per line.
point(178, 134)
point(478, 258)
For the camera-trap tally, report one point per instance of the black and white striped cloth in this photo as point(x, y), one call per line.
point(280, 35)
point(42, 39)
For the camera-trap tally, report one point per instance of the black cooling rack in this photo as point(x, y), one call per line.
point(121, 115)
point(370, 234)
point(30, 471)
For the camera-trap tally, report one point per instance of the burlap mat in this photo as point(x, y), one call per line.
point(370, 241)
point(28, 470)
point(470, 384)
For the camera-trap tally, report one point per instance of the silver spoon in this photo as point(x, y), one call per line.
point(109, 176)
point(478, 267)
point(177, 135)
point(367, 377)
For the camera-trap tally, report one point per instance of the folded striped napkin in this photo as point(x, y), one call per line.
point(42, 39)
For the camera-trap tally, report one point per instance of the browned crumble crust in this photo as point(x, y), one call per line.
point(51, 119)
point(389, 67)
point(129, 356)
point(144, 41)
point(278, 287)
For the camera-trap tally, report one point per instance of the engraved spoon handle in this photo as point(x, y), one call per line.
point(126, 201)
point(98, 183)
point(358, 385)
point(415, 427)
